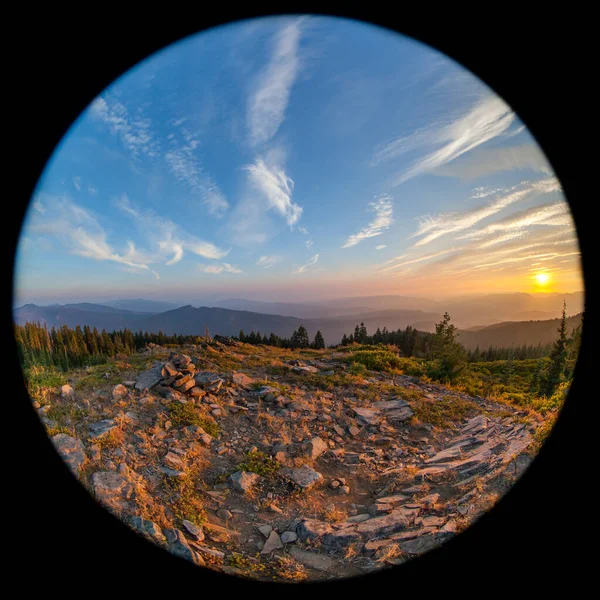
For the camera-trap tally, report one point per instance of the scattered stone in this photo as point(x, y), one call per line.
point(109, 487)
point(224, 514)
point(273, 543)
point(101, 428)
point(311, 529)
point(288, 537)
point(70, 450)
point(314, 448)
point(242, 481)
point(353, 430)
point(194, 530)
point(265, 530)
point(179, 546)
point(420, 545)
point(119, 391)
point(148, 529)
point(318, 562)
point(67, 392)
point(305, 477)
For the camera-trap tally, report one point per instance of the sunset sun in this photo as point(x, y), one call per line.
point(542, 279)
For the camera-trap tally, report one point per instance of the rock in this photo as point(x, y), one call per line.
point(172, 472)
point(194, 530)
point(148, 529)
point(305, 370)
point(169, 370)
point(109, 487)
point(180, 547)
point(224, 514)
point(345, 489)
point(210, 551)
point(430, 499)
point(288, 537)
point(304, 476)
point(119, 391)
point(101, 428)
point(197, 392)
point(311, 529)
point(393, 500)
point(340, 539)
point(273, 543)
point(314, 448)
point(148, 379)
point(360, 518)
point(353, 430)
point(420, 545)
point(67, 392)
point(242, 481)
point(188, 385)
point(206, 439)
point(378, 526)
point(265, 530)
point(368, 416)
point(243, 380)
point(70, 450)
point(178, 383)
point(339, 430)
point(172, 460)
point(318, 562)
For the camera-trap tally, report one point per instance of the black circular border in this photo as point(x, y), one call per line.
point(537, 62)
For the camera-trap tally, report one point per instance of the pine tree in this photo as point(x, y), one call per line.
point(558, 358)
point(319, 342)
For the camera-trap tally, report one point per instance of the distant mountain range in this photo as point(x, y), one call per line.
point(331, 319)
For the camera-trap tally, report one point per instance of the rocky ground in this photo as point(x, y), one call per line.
point(282, 465)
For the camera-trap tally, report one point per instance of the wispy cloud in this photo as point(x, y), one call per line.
point(134, 131)
point(486, 161)
point(267, 262)
point(271, 94)
point(487, 119)
point(309, 241)
point(80, 233)
point(552, 214)
point(383, 209)
point(303, 268)
point(179, 155)
point(186, 168)
point(77, 183)
point(218, 269)
point(166, 237)
point(92, 190)
point(443, 224)
point(380, 247)
point(276, 187)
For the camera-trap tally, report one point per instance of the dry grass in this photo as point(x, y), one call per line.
point(387, 553)
point(290, 569)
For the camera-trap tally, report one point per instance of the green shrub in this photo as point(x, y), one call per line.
point(260, 463)
point(375, 360)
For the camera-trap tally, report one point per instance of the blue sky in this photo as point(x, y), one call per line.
point(295, 158)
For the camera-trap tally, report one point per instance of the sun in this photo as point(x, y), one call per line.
point(542, 278)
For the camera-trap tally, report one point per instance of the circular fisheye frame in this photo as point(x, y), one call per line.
point(298, 298)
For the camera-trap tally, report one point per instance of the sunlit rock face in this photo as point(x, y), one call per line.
point(277, 299)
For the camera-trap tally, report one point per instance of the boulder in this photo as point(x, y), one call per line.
point(312, 529)
point(179, 546)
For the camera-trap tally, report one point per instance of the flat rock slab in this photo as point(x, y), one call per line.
point(148, 379)
point(389, 404)
point(367, 415)
point(305, 369)
point(420, 545)
point(314, 448)
point(318, 562)
point(312, 529)
point(390, 523)
point(304, 476)
point(70, 450)
point(101, 428)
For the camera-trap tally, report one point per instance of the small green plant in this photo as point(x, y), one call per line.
point(182, 415)
point(42, 382)
point(443, 411)
point(375, 360)
point(183, 500)
point(259, 463)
